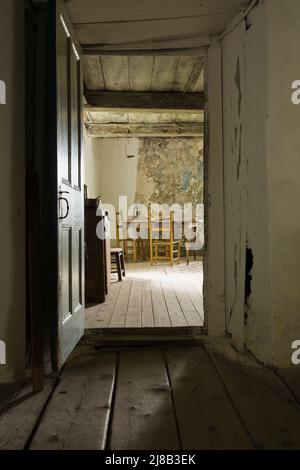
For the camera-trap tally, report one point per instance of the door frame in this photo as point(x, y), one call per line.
point(214, 253)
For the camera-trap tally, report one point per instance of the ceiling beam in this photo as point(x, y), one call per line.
point(98, 50)
point(113, 130)
point(147, 101)
point(191, 46)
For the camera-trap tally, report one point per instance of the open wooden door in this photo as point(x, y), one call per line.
point(67, 138)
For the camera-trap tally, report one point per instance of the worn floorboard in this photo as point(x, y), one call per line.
point(159, 295)
point(205, 397)
point(77, 415)
point(206, 417)
point(291, 377)
point(264, 403)
point(143, 415)
point(20, 418)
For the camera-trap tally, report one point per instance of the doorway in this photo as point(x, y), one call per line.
point(144, 146)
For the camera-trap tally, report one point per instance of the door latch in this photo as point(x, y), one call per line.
point(67, 202)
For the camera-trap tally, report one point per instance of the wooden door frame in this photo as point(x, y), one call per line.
point(214, 258)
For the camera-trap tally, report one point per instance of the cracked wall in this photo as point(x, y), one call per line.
point(170, 171)
point(160, 170)
point(261, 179)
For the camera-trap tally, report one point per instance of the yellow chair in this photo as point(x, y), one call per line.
point(163, 245)
point(132, 247)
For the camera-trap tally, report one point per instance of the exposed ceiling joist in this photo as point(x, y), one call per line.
point(195, 46)
point(101, 50)
point(154, 101)
point(190, 129)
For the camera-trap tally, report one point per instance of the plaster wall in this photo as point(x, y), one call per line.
point(262, 205)
point(160, 170)
point(12, 190)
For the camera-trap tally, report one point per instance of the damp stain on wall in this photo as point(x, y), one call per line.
point(170, 171)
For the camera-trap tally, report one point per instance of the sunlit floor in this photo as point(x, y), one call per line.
point(152, 296)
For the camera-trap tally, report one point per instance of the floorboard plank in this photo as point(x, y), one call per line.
point(104, 314)
point(147, 308)
point(291, 377)
point(77, 415)
point(7, 394)
point(192, 316)
point(120, 310)
point(166, 296)
point(204, 412)
point(143, 416)
point(160, 311)
point(20, 418)
point(134, 310)
point(175, 313)
point(265, 405)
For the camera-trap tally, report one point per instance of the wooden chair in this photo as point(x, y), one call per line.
point(194, 229)
point(188, 244)
point(117, 262)
point(163, 245)
point(133, 248)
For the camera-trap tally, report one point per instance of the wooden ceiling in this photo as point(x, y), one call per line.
point(144, 62)
point(144, 73)
point(149, 24)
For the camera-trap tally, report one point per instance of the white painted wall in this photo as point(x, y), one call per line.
point(262, 206)
point(109, 172)
point(91, 166)
point(12, 190)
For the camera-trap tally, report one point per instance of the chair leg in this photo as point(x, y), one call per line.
point(151, 252)
point(134, 250)
point(187, 249)
point(118, 259)
point(123, 264)
point(126, 249)
point(155, 253)
point(171, 254)
point(179, 246)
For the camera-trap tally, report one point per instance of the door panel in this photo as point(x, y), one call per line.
point(70, 197)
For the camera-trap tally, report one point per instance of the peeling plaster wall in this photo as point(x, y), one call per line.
point(170, 171)
point(262, 204)
point(161, 170)
point(12, 191)
point(234, 180)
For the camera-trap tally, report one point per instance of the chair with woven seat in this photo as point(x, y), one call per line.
point(163, 244)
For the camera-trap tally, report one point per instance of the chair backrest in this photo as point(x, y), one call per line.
point(119, 228)
point(161, 225)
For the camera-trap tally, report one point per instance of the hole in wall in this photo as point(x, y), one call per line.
point(248, 277)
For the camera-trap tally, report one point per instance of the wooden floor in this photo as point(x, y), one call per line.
point(152, 296)
point(205, 397)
